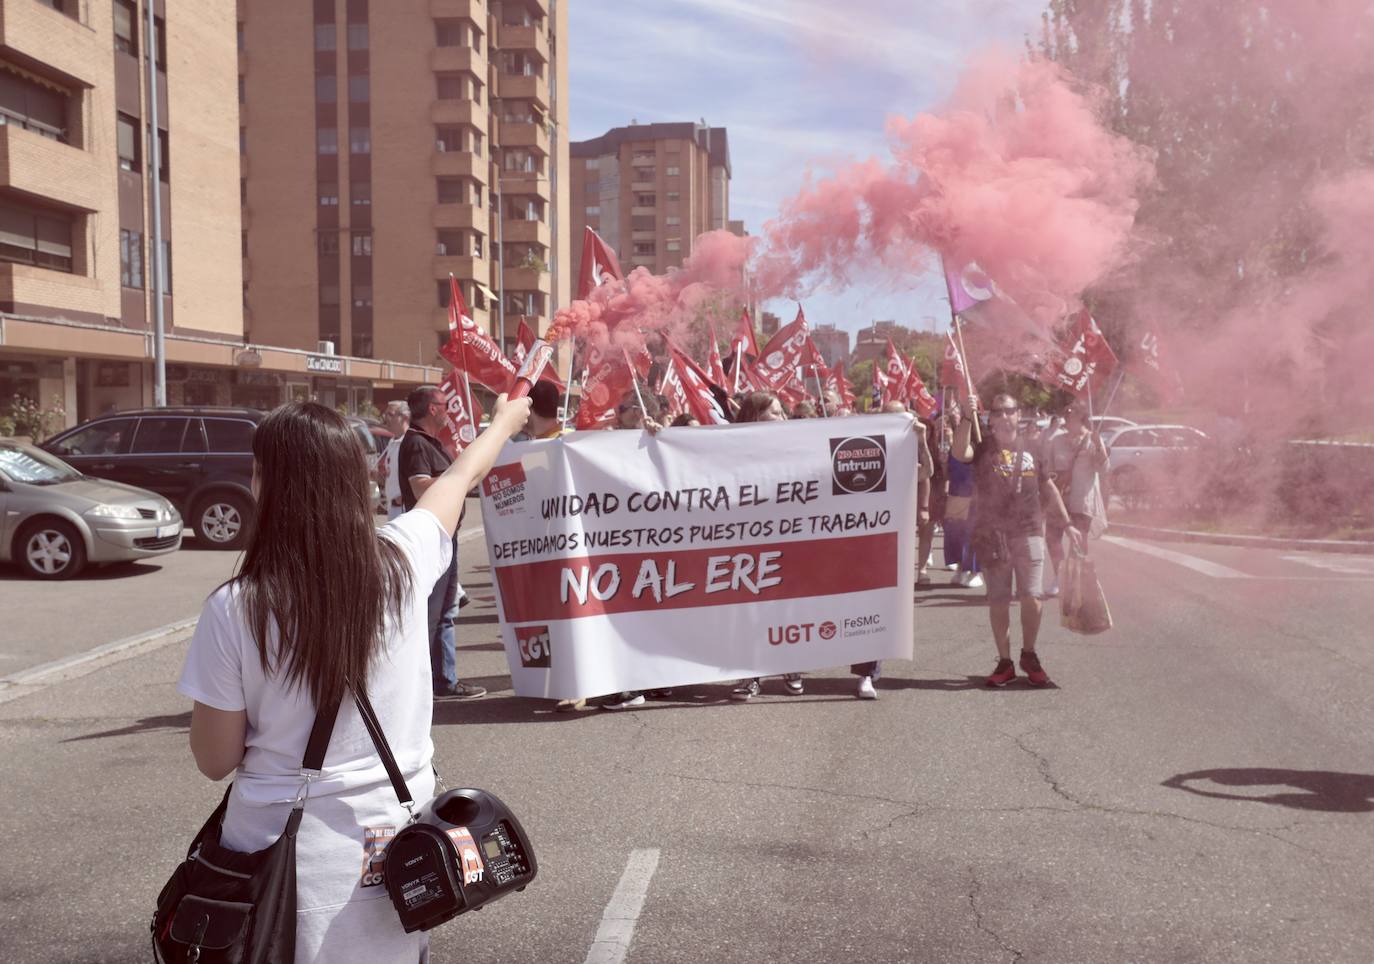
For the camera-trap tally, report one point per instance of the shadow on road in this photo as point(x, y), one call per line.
point(177, 721)
point(93, 573)
point(1315, 789)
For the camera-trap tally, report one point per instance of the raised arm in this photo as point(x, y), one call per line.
point(444, 496)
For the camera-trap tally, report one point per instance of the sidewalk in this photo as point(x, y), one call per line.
point(1233, 539)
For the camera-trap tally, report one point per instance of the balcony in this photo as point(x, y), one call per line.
point(472, 10)
point(524, 87)
point(521, 134)
point(461, 216)
point(448, 59)
point(649, 211)
point(459, 164)
point(466, 269)
point(42, 34)
point(447, 112)
point(524, 38)
point(541, 6)
point(50, 169)
point(526, 279)
point(536, 232)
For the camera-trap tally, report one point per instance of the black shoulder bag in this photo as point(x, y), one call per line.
point(224, 906)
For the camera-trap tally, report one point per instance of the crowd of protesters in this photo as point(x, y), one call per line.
point(1008, 496)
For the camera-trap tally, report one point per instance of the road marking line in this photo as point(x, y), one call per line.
point(1331, 565)
point(17, 684)
point(612, 941)
point(1214, 569)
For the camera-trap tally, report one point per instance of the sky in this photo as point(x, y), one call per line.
point(798, 84)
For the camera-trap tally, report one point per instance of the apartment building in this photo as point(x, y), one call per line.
point(389, 145)
point(832, 342)
point(650, 189)
point(76, 211)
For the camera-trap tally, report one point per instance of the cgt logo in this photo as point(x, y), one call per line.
point(536, 649)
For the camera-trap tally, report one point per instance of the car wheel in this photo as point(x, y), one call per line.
point(222, 520)
point(51, 549)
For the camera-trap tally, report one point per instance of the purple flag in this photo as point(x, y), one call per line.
point(968, 285)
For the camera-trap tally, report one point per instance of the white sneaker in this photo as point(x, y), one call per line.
point(624, 701)
point(952, 566)
point(923, 578)
point(960, 578)
point(976, 581)
point(866, 690)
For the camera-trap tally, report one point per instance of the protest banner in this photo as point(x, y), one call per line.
point(624, 561)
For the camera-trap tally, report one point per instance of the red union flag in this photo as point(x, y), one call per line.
point(743, 339)
point(599, 265)
point(714, 369)
point(685, 386)
point(1084, 359)
point(778, 363)
point(605, 381)
point(952, 367)
point(524, 339)
point(917, 393)
point(470, 349)
point(460, 425)
point(840, 385)
point(896, 376)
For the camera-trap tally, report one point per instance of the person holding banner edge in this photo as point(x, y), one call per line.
point(1013, 495)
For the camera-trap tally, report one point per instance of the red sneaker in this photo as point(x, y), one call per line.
point(1003, 674)
point(1035, 673)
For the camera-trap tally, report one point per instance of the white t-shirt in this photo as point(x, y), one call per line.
point(352, 806)
point(392, 459)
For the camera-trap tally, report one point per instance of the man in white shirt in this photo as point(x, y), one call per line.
point(396, 418)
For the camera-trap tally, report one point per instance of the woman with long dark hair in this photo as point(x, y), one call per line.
point(324, 601)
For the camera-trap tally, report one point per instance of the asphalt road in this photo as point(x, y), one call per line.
point(1198, 787)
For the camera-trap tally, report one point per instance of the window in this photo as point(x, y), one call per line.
point(449, 243)
point(243, 140)
point(243, 191)
point(35, 236)
point(164, 156)
point(672, 221)
point(673, 245)
point(241, 43)
point(450, 86)
point(160, 42)
point(243, 243)
point(593, 210)
point(448, 33)
point(324, 36)
point(477, 245)
point(672, 171)
point(362, 296)
point(326, 88)
point(229, 434)
point(593, 163)
point(329, 195)
point(362, 244)
point(328, 140)
point(645, 247)
point(243, 91)
point(642, 222)
point(362, 345)
point(126, 34)
point(159, 435)
point(108, 437)
point(448, 139)
point(328, 243)
point(521, 162)
point(475, 139)
point(442, 287)
point(673, 196)
point(360, 140)
point(166, 267)
point(643, 157)
point(357, 36)
point(359, 90)
point(33, 107)
point(360, 194)
point(451, 190)
point(646, 200)
point(195, 437)
point(329, 295)
point(131, 258)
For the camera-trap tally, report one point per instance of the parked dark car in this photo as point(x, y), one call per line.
point(200, 459)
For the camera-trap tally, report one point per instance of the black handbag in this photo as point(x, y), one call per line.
point(225, 907)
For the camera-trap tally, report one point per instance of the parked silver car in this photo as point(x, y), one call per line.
point(54, 520)
point(1149, 460)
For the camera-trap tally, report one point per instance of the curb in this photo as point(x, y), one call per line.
point(1253, 542)
point(32, 679)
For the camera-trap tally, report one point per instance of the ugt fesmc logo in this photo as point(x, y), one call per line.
point(536, 651)
point(858, 464)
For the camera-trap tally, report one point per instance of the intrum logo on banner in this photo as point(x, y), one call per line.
point(859, 464)
point(536, 650)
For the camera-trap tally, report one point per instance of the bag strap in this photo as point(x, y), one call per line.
point(318, 744)
point(374, 730)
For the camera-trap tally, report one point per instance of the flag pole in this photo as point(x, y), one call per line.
point(820, 391)
point(567, 389)
point(739, 351)
point(634, 379)
point(968, 375)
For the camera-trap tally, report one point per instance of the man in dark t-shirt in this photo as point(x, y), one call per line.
point(420, 461)
point(1012, 496)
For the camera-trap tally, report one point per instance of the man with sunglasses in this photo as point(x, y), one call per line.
point(1012, 497)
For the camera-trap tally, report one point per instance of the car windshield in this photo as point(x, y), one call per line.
point(20, 463)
